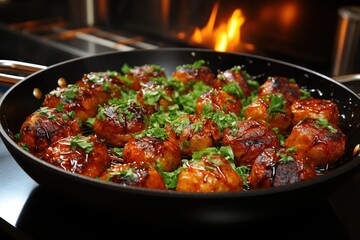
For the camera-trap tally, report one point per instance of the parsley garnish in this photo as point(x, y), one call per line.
point(82, 142)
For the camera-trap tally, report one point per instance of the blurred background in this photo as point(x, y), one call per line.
point(50, 31)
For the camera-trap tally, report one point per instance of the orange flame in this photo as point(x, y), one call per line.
point(226, 37)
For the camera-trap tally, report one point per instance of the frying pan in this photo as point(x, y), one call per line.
point(170, 206)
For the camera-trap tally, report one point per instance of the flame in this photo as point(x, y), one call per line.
point(226, 37)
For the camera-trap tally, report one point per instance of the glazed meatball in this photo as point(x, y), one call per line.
point(188, 74)
point(193, 133)
point(234, 75)
point(135, 76)
point(315, 108)
point(153, 149)
point(274, 167)
point(248, 139)
point(270, 110)
point(134, 174)
point(217, 99)
point(117, 121)
point(73, 98)
point(84, 155)
point(45, 126)
point(158, 93)
point(275, 85)
point(319, 140)
point(103, 85)
point(210, 173)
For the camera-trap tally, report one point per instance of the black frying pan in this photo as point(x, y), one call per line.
point(168, 206)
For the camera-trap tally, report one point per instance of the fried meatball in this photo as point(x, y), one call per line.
point(210, 173)
point(103, 85)
point(134, 174)
point(188, 74)
point(234, 75)
point(117, 121)
point(270, 110)
point(193, 133)
point(277, 167)
point(158, 93)
point(153, 150)
point(276, 84)
point(84, 155)
point(319, 140)
point(315, 108)
point(45, 126)
point(248, 139)
point(217, 99)
point(135, 76)
point(73, 98)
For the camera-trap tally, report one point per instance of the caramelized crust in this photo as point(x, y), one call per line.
point(282, 85)
point(45, 126)
point(248, 139)
point(275, 167)
point(188, 74)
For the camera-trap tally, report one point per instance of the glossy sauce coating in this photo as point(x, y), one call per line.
point(73, 98)
point(134, 174)
point(248, 139)
point(116, 122)
point(45, 126)
point(278, 167)
point(315, 108)
point(75, 159)
point(151, 150)
point(323, 143)
point(209, 174)
point(193, 133)
point(217, 99)
point(282, 85)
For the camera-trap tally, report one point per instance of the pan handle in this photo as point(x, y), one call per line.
point(20, 69)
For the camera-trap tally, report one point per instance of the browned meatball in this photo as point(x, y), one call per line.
point(315, 108)
point(248, 139)
point(135, 76)
point(217, 99)
point(134, 174)
point(210, 173)
point(84, 155)
point(45, 126)
point(270, 110)
point(152, 149)
point(103, 85)
point(157, 93)
point(275, 167)
point(193, 133)
point(236, 75)
point(196, 72)
point(321, 141)
point(73, 98)
point(276, 85)
point(117, 121)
